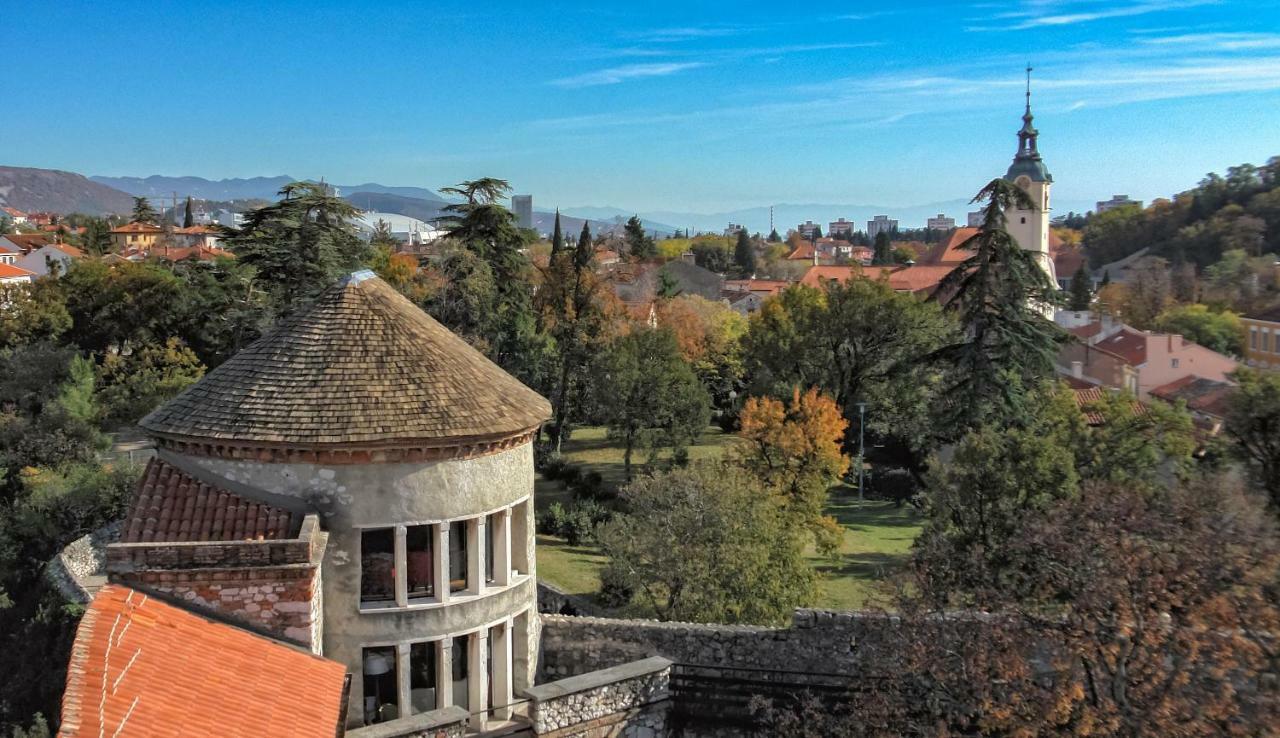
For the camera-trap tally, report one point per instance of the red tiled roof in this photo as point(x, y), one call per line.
point(1085, 332)
point(950, 251)
point(1128, 345)
point(13, 212)
point(1085, 398)
point(141, 667)
point(803, 252)
point(816, 275)
point(196, 230)
point(9, 271)
point(172, 506)
point(759, 286)
point(1201, 395)
point(29, 241)
point(921, 278)
point(68, 249)
point(137, 228)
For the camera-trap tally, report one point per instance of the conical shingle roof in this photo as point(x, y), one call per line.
point(360, 366)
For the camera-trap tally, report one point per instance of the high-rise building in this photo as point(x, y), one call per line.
point(1116, 201)
point(807, 229)
point(880, 224)
point(522, 206)
point(840, 227)
point(941, 223)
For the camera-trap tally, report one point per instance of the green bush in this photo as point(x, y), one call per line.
point(575, 523)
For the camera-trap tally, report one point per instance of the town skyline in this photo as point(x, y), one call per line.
point(669, 108)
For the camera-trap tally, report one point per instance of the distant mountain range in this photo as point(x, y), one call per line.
point(265, 188)
point(36, 190)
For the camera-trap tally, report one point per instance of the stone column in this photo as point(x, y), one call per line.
point(475, 555)
point(402, 679)
point(440, 540)
point(444, 674)
point(401, 566)
point(478, 677)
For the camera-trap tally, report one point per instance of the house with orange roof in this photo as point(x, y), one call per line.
point(54, 258)
point(11, 274)
point(202, 236)
point(135, 236)
point(17, 216)
point(144, 666)
point(1207, 400)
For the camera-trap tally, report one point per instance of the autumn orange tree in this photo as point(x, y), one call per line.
point(796, 450)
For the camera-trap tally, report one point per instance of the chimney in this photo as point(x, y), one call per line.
point(1077, 369)
point(1172, 338)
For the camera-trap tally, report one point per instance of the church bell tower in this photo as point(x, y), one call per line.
point(1031, 227)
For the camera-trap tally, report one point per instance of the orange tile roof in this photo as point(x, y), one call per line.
point(68, 249)
point(1128, 345)
point(196, 230)
point(172, 506)
point(817, 275)
point(13, 212)
point(1202, 395)
point(921, 278)
point(138, 228)
point(142, 667)
point(803, 252)
point(1085, 399)
point(9, 271)
point(1086, 331)
point(950, 251)
point(29, 241)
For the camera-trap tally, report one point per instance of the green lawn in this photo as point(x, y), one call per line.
point(876, 541)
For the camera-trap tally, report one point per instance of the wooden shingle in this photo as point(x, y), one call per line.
point(361, 365)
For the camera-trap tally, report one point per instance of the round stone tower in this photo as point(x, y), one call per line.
point(416, 453)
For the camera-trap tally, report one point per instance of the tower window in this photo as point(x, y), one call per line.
point(458, 555)
point(1024, 219)
point(378, 565)
point(380, 696)
point(420, 567)
point(422, 676)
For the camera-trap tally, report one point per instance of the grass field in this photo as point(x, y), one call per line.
point(877, 535)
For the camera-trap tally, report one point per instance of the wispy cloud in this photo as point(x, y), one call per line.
point(1225, 41)
point(689, 33)
point(1052, 14)
point(617, 75)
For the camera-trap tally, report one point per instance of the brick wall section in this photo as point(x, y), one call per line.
point(626, 701)
point(274, 585)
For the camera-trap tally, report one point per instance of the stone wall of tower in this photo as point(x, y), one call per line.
point(1030, 228)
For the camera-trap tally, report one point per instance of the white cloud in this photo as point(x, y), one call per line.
point(1224, 41)
point(617, 75)
point(1054, 14)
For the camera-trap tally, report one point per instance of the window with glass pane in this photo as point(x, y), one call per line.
point(378, 565)
point(490, 541)
point(420, 566)
point(461, 695)
point(381, 702)
point(422, 676)
point(457, 556)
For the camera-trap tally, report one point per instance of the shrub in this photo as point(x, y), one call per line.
point(575, 523)
point(570, 474)
point(590, 486)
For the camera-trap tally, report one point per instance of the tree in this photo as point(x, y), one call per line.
point(859, 342)
point(640, 246)
point(647, 395)
point(557, 238)
point(795, 450)
point(300, 244)
point(883, 250)
point(707, 544)
point(712, 256)
point(1148, 292)
point(32, 312)
point(96, 238)
point(774, 237)
point(113, 306)
point(142, 211)
point(188, 217)
point(744, 255)
point(134, 384)
point(382, 237)
point(1219, 331)
point(999, 295)
point(1081, 294)
point(709, 335)
point(1253, 424)
point(1130, 442)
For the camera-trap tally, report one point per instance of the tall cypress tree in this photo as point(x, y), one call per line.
point(1081, 295)
point(557, 238)
point(586, 249)
point(744, 255)
point(883, 253)
point(188, 218)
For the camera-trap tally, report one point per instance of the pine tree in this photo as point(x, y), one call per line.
point(142, 211)
point(883, 253)
point(557, 238)
point(997, 294)
point(585, 250)
point(1106, 278)
point(774, 237)
point(639, 245)
point(1081, 295)
point(188, 218)
point(744, 255)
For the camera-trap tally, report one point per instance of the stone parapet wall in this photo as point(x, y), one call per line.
point(630, 700)
point(555, 601)
point(213, 554)
point(817, 640)
point(447, 722)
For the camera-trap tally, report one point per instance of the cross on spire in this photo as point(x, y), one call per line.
point(1029, 68)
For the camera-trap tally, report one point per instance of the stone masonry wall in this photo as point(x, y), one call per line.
point(817, 640)
point(627, 701)
point(283, 601)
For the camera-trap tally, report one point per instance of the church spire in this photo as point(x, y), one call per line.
point(1027, 161)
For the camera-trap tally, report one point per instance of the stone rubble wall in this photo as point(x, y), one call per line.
point(816, 640)
point(626, 701)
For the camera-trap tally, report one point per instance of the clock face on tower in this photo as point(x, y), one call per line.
point(1024, 182)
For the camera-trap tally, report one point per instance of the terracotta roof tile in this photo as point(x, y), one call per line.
point(1128, 344)
point(138, 228)
point(141, 667)
point(9, 271)
point(360, 365)
point(172, 506)
point(1086, 398)
point(1201, 395)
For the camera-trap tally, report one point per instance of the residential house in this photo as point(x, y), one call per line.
point(742, 302)
point(10, 274)
point(50, 258)
point(1262, 344)
point(1207, 400)
point(639, 283)
point(17, 216)
point(137, 237)
point(198, 235)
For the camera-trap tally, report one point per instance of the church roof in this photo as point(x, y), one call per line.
point(362, 365)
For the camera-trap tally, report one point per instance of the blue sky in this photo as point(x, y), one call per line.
point(674, 106)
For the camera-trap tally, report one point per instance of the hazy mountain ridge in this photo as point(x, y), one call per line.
point(35, 190)
point(237, 188)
